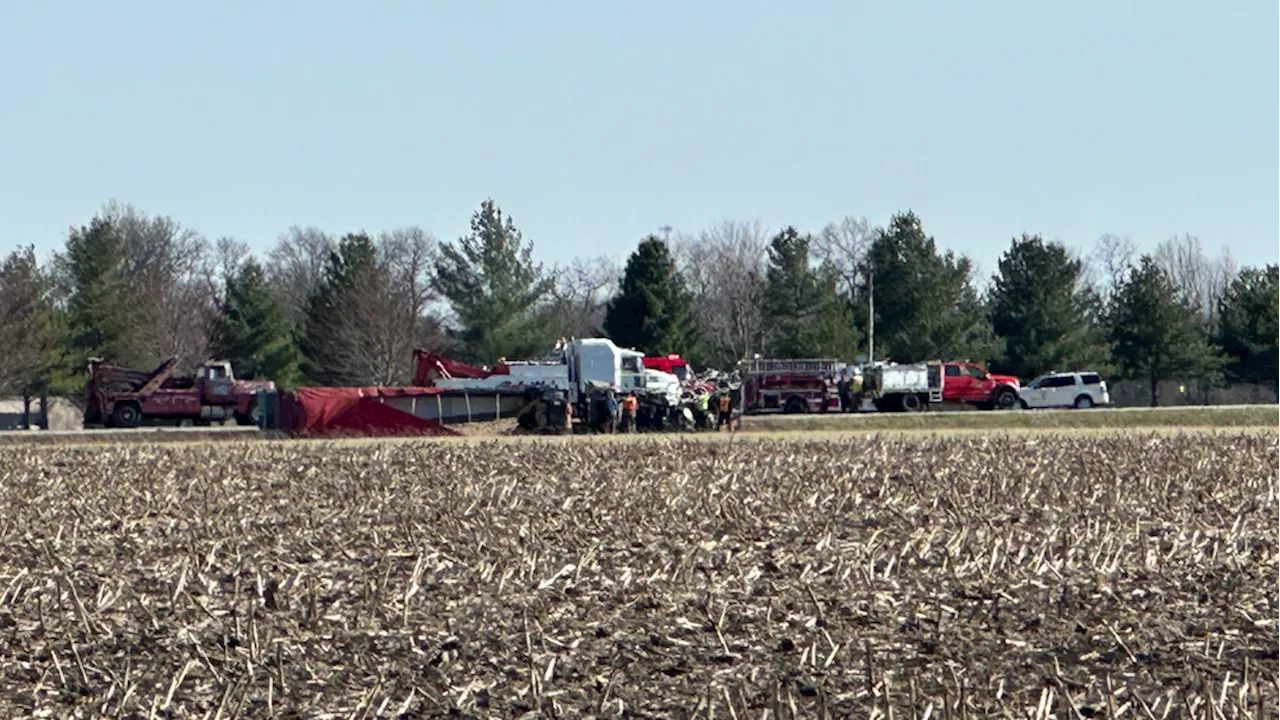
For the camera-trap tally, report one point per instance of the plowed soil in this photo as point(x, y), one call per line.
point(1057, 576)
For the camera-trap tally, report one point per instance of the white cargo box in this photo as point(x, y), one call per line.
point(892, 379)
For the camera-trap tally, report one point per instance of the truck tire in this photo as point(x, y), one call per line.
point(126, 415)
point(1006, 399)
point(796, 405)
point(910, 403)
point(250, 417)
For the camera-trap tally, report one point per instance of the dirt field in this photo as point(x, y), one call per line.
point(1043, 575)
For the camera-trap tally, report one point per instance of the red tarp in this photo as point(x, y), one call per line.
point(356, 411)
point(434, 365)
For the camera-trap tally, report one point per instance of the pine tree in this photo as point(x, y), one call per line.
point(1042, 312)
point(97, 321)
point(804, 314)
point(251, 329)
point(27, 324)
point(1249, 325)
point(494, 286)
point(1157, 337)
point(925, 306)
point(326, 341)
point(651, 310)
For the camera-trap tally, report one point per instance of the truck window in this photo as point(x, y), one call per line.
point(953, 371)
point(217, 372)
point(975, 371)
point(1060, 381)
point(1090, 379)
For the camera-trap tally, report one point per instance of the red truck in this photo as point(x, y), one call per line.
point(122, 397)
point(670, 363)
point(967, 382)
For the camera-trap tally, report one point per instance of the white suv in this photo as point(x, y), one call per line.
point(1071, 389)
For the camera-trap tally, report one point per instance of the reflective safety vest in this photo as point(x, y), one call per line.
point(702, 401)
point(629, 403)
point(724, 403)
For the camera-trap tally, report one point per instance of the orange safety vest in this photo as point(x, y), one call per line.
point(629, 403)
point(724, 403)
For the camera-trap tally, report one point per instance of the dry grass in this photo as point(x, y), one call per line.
point(1184, 416)
point(1055, 576)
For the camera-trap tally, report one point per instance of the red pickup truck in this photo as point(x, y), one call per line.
point(967, 382)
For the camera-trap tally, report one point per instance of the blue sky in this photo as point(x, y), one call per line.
point(594, 123)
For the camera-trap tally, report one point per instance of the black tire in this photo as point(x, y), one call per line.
point(250, 417)
point(126, 415)
point(1006, 399)
point(1022, 404)
point(1084, 402)
point(795, 406)
point(910, 403)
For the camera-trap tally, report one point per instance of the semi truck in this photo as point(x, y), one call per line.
point(123, 397)
point(581, 371)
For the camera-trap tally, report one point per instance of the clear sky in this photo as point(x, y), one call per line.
point(595, 123)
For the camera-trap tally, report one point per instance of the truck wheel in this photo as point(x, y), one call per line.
point(796, 405)
point(251, 417)
point(127, 415)
point(1083, 402)
point(910, 403)
point(1006, 400)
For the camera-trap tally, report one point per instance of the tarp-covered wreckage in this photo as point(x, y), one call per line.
point(364, 411)
point(382, 411)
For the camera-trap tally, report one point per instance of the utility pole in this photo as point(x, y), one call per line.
point(666, 233)
point(871, 316)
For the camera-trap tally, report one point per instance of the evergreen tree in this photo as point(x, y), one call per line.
point(1249, 326)
point(1042, 312)
point(27, 324)
point(925, 306)
point(651, 310)
point(251, 329)
point(804, 315)
point(97, 322)
point(1155, 336)
point(326, 342)
point(493, 286)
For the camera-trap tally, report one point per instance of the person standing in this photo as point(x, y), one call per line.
point(611, 416)
point(724, 410)
point(629, 405)
point(842, 388)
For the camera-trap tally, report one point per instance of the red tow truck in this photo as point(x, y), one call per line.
point(123, 397)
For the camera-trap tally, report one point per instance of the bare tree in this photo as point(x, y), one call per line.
point(724, 270)
point(580, 294)
point(165, 287)
point(1201, 281)
point(1109, 264)
point(296, 267)
point(844, 247)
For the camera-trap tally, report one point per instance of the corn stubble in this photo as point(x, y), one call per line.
point(1035, 577)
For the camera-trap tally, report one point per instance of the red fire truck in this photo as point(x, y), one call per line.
point(790, 386)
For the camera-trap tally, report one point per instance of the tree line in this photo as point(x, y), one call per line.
point(133, 289)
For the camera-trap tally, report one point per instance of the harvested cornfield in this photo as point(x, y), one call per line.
point(1033, 576)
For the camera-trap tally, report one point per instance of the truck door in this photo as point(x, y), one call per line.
point(956, 385)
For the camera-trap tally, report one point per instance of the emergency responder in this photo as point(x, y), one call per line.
point(724, 404)
point(842, 388)
point(702, 409)
point(629, 404)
